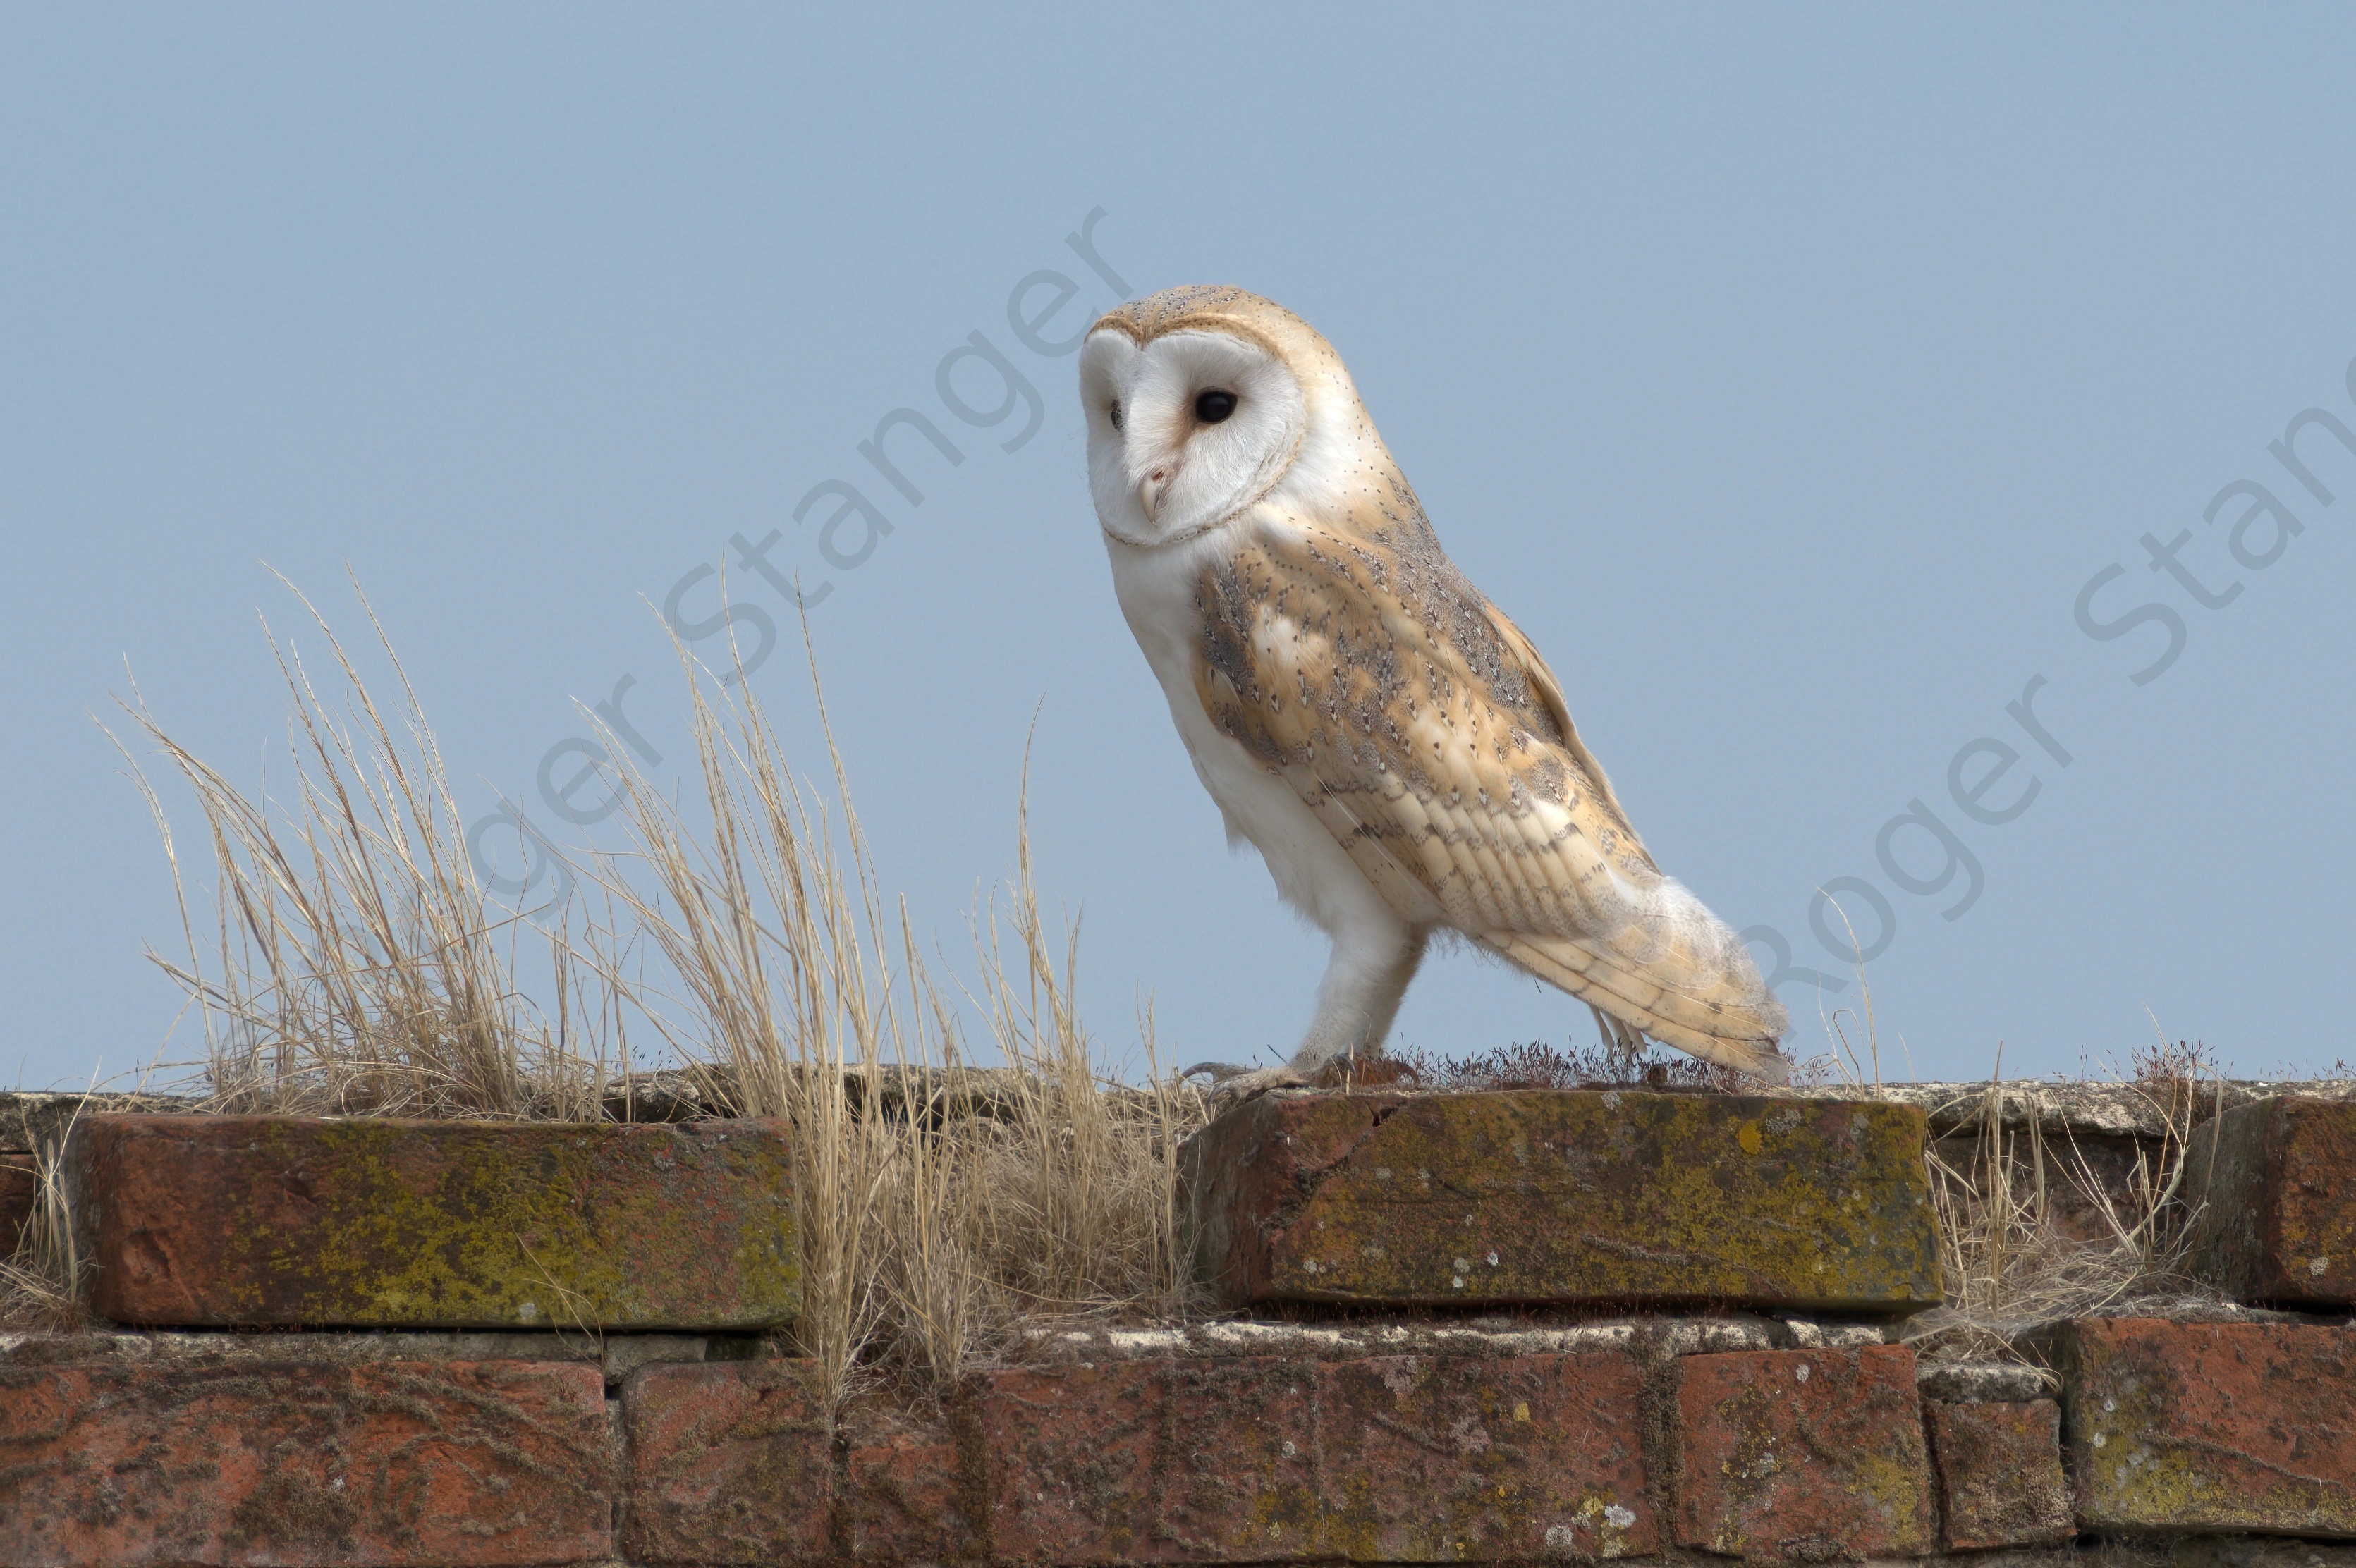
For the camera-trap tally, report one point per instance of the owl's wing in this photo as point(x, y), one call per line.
point(1548, 690)
point(1424, 731)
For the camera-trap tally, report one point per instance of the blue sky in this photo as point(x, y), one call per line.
point(1791, 376)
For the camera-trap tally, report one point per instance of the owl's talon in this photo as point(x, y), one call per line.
point(1239, 1086)
point(1232, 1085)
point(1217, 1071)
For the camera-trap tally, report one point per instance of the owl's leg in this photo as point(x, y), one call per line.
point(1366, 979)
point(1375, 955)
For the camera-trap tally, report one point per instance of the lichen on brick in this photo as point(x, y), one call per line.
point(1544, 1196)
point(1803, 1456)
point(375, 1223)
point(2213, 1426)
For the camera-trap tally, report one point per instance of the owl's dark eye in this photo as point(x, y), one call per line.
point(1115, 412)
point(1213, 406)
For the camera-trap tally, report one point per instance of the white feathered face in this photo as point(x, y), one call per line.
point(1186, 432)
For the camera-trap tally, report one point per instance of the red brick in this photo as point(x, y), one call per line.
point(1522, 1457)
point(910, 1495)
point(2000, 1481)
point(386, 1223)
point(2276, 1185)
point(2213, 1426)
point(18, 1187)
point(1399, 1458)
point(1803, 1456)
point(730, 1462)
point(1560, 1196)
point(395, 1463)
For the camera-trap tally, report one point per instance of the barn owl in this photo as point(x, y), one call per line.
point(1392, 744)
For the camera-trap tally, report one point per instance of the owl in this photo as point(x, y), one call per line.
point(1393, 745)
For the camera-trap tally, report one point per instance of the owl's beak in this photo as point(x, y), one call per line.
point(1153, 486)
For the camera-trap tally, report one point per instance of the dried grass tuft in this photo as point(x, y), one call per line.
point(41, 1282)
point(353, 964)
point(939, 1205)
point(2034, 1230)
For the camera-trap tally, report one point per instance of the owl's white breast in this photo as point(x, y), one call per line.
point(1312, 872)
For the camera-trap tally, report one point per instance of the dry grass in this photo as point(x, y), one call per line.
point(938, 1206)
point(353, 964)
point(2034, 1230)
point(40, 1284)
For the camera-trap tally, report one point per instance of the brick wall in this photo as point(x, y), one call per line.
point(1657, 1439)
point(1293, 1430)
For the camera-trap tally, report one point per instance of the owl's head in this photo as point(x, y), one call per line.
point(1203, 402)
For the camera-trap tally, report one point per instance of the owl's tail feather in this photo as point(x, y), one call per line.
point(1716, 1016)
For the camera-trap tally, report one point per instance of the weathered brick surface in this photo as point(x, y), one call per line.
point(1561, 1196)
point(2234, 1551)
point(2001, 1480)
point(17, 1189)
point(379, 1222)
point(730, 1462)
point(2277, 1181)
point(2212, 1427)
point(1401, 1459)
point(912, 1489)
point(1803, 1456)
point(490, 1462)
